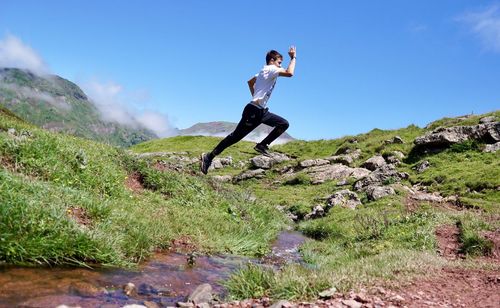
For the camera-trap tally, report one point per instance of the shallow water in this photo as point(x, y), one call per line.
point(166, 279)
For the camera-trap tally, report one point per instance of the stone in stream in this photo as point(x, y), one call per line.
point(202, 294)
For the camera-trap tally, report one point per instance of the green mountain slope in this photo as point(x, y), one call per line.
point(59, 105)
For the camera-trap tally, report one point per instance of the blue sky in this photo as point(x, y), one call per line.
point(360, 64)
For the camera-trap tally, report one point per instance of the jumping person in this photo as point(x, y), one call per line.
point(256, 112)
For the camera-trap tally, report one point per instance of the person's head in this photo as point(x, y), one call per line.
point(274, 57)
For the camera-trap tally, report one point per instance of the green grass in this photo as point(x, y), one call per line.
point(45, 174)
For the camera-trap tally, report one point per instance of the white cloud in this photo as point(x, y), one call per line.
point(157, 122)
point(485, 24)
point(117, 106)
point(14, 53)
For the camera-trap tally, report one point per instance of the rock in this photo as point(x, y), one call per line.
point(262, 162)
point(317, 212)
point(11, 131)
point(346, 158)
point(441, 137)
point(374, 163)
point(185, 304)
point(134, 306)
point(398, 154)
point(282, 304)
point(394, 140)
point(335, 172)
point(328, 293)
point(397, 298)
point(489, 119)
point(216, 164)
point(202, 294)
point(392, 159)
point(379, 176)
point(150, 304)
point(146, 289)
point(491, 148)
point(344, 198)
point(313, 162)
point(352, 303)
point(222, 178)
point(81, 288)
point(250, 174)
point(129, 289)
point(423, 196)
point(421, 167)
point(378, 192)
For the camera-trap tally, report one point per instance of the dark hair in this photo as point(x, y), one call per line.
point(273, 55)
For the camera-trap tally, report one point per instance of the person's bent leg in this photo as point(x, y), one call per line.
point(280, 126)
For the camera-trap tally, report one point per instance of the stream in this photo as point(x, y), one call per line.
point(167, 278)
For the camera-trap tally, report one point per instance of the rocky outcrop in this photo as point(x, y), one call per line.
point(313, 162)
point(347, 158)
point(344, 198)
point(377, 192)
point(386, 173)
point(394, 140)
point(491, 148)
point(250, 174)
point(265, 162)
point(442, 137)
point(374, 163)
point(320, 174)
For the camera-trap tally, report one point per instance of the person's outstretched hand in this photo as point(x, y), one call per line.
point(292, 52)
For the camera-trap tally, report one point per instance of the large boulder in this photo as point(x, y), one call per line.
point(344, 198)
point(347, 158)
point(250, 174)
point(378, 192)
point(374, 163)
point(313, 162)
point(265, 162)
point(491, 148)
point(385, 173)
point(319, 174)
point(441, 137)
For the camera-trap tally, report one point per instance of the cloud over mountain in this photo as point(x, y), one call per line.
point(15, 53)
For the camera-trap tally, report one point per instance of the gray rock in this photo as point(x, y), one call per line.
point(378, 192)
point(489, 132)
point(393, 160)
point(491, 148)
point(262, 162)
point(185, 305)
point(344, 198)
point(374, 162)
point(339, 172)
point(129, 289)
point(423, 196)
point(202, 294)
point(379, 176)
point(421, 167)
point(313, 162)
point(222, 178)
point(11, 131)
point(351, 303)
point(317, 212)
point(216, 164)
point(258, 173)
point(489, 119)
point(347, 158)
point(398, 154)
point(328, 293)
point(282, 304)
point(394, 140)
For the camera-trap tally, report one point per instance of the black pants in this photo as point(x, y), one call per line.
point(252, 117)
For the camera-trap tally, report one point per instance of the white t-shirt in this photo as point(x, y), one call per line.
point(264, 84)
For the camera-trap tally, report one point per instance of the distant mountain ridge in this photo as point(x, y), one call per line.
point(222, 129)
point(57, 104)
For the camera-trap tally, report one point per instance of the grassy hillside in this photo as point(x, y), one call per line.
point(64, 200)
point(59, 105)
point(384, 240)
point(90, 215)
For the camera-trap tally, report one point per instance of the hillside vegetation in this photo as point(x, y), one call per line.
point(69, 200)
point(391, 238)
point(65, 200)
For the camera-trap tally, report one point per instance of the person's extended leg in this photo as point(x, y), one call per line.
point(250, 119)
point(280, 126)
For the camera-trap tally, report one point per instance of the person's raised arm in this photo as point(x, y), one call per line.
point(251, 83)
point(291, 66)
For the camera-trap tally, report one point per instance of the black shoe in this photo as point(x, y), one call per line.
point(206, 161)
point(263, 149)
